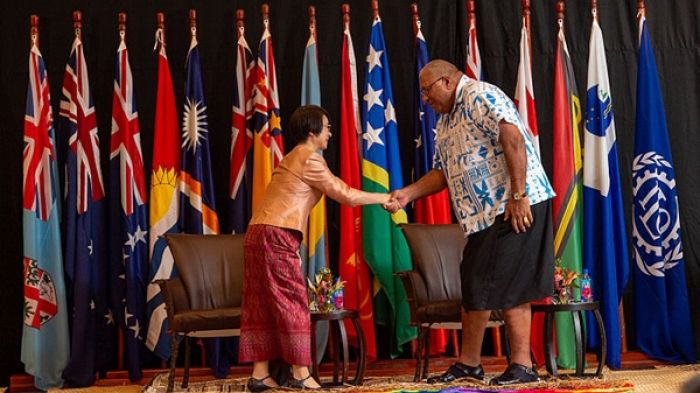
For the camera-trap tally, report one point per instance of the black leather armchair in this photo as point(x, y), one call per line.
point(433, 287)
point(205, 299)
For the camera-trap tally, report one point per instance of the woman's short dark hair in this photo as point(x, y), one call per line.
point(305, 119)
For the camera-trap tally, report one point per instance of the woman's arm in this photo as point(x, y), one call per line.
point(317, 175)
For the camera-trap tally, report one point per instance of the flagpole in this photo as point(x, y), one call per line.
point(265, 10)
point(240, 23)
point(526, 22)
point(471, 12)
point(312, 21)
point(375, 9)
point(77, 24)
point(641, 9)
point(121, 26)
point(193, 23)
point(345, 8)
point(560, 13)
point(34, 31)
point(416, 20)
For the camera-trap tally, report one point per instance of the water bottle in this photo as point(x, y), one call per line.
point(586, 294)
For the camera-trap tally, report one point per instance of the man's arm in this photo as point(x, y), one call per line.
point(433, 181)
point(513, 144)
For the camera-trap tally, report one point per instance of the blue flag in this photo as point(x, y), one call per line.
point(45, 346)
point(85, 257)
point(128, 243)
point(605, 237)
point(424, 128)
point(197, 202)
point(385, 248)
point(662, 313)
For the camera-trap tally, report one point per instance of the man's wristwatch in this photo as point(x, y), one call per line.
point(517, 197)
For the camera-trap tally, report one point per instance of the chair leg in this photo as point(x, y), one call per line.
point(426, 353)
point(419, 354)
point(186, 376)
point(173, 360)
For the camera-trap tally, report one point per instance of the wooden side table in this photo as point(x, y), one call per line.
point(337, 328)
point(576, 310)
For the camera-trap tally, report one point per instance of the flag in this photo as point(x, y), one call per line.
point(197, 201)
point(384, 245)
point(567, 185)
point(433, 209)
point(313, 249)
point(267, 141)
point(662, 315)
point(473, 66)
point(85, 257)
point(241, 137)
point(45, 346)
point(128, 245)
point(525, 101)
point(352, 266)
point(165, 203)
point(524, 93)
point(605, 237)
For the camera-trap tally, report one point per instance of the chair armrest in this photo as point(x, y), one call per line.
point(176, 299)
point(416, 292)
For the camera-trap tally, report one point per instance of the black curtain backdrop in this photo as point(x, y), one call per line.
point(672, 23)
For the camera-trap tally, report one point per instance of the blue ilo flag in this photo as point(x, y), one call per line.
point(604, 237)
point(45, 330)
point(424, 129)
point(85, 258)
point(197, 203)
point(661, 297)
point(128, 242)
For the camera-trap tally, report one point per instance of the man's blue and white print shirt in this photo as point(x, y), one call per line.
point(468, 152)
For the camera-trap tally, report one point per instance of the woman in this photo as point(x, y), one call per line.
point(275, 320)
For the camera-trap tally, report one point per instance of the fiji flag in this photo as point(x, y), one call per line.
point(85, 261)
point(241, 137)
point(385, 247)
point(128, 245)
point(661, 296)
point(604, 237)
point(45, 331)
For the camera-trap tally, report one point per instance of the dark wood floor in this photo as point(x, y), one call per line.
point(630, 361)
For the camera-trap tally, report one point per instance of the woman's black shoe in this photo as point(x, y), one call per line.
point(258, 385)
point(300, 383)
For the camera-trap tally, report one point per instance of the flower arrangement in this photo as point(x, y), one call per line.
point(326, 294)
point(564, 281)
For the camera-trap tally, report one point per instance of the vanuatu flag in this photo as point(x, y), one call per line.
point(567, 183)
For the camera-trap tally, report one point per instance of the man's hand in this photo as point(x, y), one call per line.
point(519, 213)
point(399, 200)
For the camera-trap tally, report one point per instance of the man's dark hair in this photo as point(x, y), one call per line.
point(305, 119)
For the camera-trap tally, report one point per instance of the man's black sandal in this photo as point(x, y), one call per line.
point(258, 385)
point(515, 373)
point(299, 383)
point(458, 371)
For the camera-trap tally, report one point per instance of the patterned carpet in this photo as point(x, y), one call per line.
point(661, 379)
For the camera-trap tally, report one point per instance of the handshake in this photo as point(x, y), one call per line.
point(397, 200)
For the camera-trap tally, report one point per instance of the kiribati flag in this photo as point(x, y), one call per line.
point(128, 246)
point(662, 314)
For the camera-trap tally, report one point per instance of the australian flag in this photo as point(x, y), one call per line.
point(662, 313)
point(85, 262)
point(128, 243)
point(45, 346)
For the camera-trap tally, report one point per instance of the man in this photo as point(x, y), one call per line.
point(500, 196)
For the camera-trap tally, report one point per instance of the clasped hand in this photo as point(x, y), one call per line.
point(398, 200)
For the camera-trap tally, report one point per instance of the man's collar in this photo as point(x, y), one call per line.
point(458, 91)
